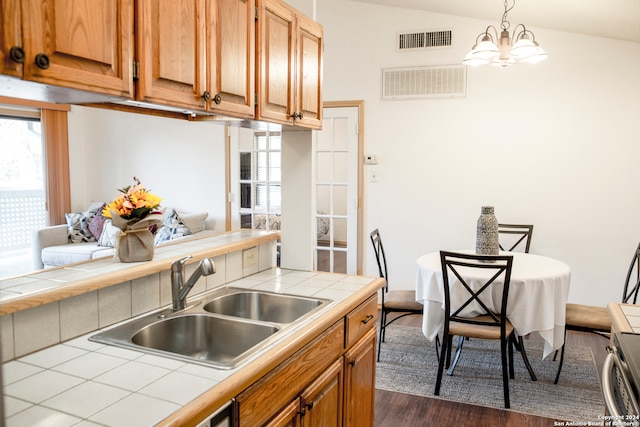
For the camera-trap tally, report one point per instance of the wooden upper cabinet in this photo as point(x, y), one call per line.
point(231, 56)
point(276, 66)
point(290, 51)
point(79, 44)
point(170, 42)
point(11, 50)
point(309, 73)
point(197, 54)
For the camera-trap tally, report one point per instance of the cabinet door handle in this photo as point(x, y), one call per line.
point(42, 61)
point(366, 319)
point(17, 54)
point(294, 116)
point(206, 96)
point(217, 99)
point(353, 363)
point(310, 405)
point(300, 115)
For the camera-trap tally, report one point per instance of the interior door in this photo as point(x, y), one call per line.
point(336, 177)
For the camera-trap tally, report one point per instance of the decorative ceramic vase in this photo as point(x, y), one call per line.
point(487, 233)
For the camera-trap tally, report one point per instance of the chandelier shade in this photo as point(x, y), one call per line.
point(522, 47)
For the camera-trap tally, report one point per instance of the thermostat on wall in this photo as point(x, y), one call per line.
point(370, 159)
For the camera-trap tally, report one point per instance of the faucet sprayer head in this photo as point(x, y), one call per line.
point(207, 266)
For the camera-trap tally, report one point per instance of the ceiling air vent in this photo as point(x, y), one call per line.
point(423, 39)
point(442, 81)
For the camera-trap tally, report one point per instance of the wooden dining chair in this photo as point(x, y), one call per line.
point(515, 237)
point(596, 319)
point(487, 324)
point(401, 302)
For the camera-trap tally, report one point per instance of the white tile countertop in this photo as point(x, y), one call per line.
point(84, 383)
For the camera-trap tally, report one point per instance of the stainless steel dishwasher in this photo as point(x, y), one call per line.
point(621, 378)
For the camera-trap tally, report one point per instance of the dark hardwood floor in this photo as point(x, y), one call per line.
point(403, 410)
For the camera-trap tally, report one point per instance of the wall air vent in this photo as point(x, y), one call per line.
point(423, 39)
point(442, 81)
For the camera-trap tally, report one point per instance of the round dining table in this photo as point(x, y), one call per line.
point(538, 293)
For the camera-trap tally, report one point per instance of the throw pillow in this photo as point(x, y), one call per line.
point(172, 228)
point(97, 223)
point(109, 235)
point(194, 221)
point(78, 227)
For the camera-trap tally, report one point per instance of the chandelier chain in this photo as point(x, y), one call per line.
point(506, 24)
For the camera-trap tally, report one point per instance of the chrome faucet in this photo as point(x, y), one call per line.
point(179, 289)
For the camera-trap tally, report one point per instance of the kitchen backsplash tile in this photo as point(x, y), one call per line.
point(234, 266)
point(145, 294)
point(114, 304)
point(78, 315)
point(6, 338)
point(36, 328)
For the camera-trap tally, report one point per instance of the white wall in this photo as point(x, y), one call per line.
point(183, 162)
point(555, 144)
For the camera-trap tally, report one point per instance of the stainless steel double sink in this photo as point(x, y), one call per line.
point(220, 329)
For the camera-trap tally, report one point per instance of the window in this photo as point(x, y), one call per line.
point(22, 190)
point(260, 194)
point(34, 177)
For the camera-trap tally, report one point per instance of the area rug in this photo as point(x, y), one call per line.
point(408, 364)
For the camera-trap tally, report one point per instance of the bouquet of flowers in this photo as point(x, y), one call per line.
point(135, 212)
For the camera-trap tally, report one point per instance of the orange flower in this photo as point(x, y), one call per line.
point(134, 202)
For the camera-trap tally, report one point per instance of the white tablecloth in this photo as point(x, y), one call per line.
point(537, 296)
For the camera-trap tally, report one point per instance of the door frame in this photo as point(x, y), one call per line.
point(359, 104)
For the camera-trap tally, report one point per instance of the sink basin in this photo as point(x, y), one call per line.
point(194, 337)
point(221, 329)
point(203, 337)
point(263, 306)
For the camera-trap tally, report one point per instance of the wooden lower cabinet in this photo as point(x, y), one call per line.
point(329, 382)
point(319, 405)
point(359, 385)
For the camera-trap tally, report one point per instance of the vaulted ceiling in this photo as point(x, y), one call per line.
point(616, 19)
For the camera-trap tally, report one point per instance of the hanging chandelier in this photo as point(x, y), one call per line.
point(522, 47)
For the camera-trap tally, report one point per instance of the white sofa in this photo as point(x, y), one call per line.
point(52, 246)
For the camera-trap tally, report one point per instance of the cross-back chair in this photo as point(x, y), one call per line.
point(595, 319)
point(515, 237)
point(401, 302)
point(474, 290)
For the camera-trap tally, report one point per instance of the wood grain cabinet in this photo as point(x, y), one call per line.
point(290, 56)
point(359, 387)
point(329, 382)
point(197, 55)
point(88, 46)
point(319, 405)
point(11, 50)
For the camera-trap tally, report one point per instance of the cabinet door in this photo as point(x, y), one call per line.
point(10, 38)
point(359, 388)
point(80, 44)
point(171, 52)
point(322, 400)
point(276, 73)
point(231, 56)
point(288, 417)
point(309, 73)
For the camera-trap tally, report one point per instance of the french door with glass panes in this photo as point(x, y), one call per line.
point(260, 174)
point(336, 191)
